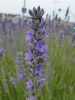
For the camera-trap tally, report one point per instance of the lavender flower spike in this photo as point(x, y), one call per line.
point(67, 12)
point(37, 50)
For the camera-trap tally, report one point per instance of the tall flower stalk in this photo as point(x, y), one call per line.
point(35, 75)
point(37, 51)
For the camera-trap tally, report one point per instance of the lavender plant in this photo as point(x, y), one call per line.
point(37, 51)
point(21, 71)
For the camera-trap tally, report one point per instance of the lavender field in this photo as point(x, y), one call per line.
point(37, 58)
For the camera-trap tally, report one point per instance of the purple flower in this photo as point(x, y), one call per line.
point(41, 82)
point(65, 31)
point(42, 24)
point(37, 49)
point(60, 34)
point(21, 71)
point(29, 36)
point(29, 56)
point(13, 25)
point(29, 84)
point(40, 46)
point(1, 52)
point(3, 26)
point(20, 76)
point(39, 69)
point(13, 80)
point(36, 13)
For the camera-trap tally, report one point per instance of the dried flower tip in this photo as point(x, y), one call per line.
point(31, 13)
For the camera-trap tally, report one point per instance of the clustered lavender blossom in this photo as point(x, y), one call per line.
point(21, 71)
point(37, 50)
point(20, 67)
